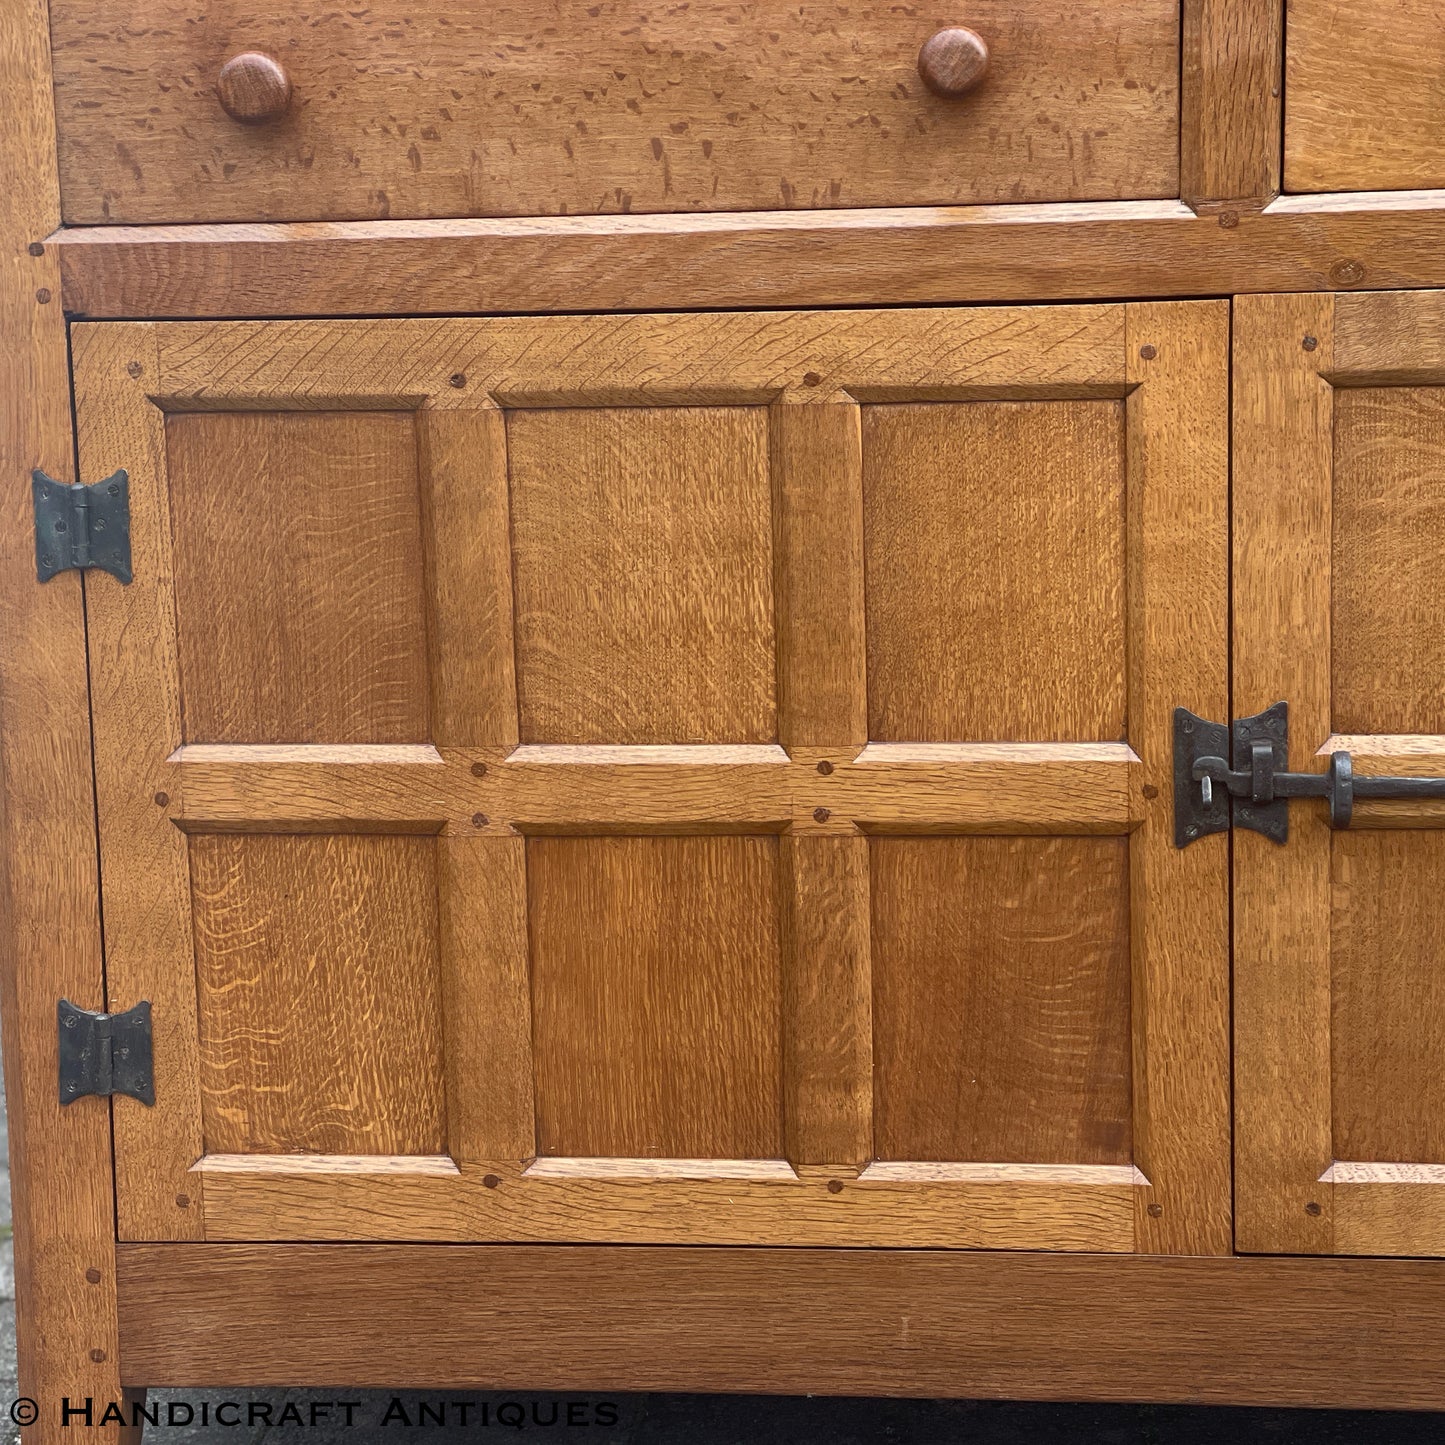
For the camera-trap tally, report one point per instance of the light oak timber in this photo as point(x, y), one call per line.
point(1177, 429)
point(1387, 998)
point(944, 1171)
point(562, 1167)
point(614, 649)
point(310, 951)
point(486, 998)
point(1282, 426)
point(1230, 102)
point(136, 708)
point(656, 978)
point(697, 359)
point(920, 256)
point(1389, 1214)
point(1357, 1333)
point(541, 788)
point(1362, 96)
point(429, 1165)
point(744, 1202)
point(1390, 338)
point(1347, 1172)
point(827, 1001)
point(454, 109)
point(1336, 1014)
point(50, 946)
point(1017, 632)
point(345, 545)
point(976, 940)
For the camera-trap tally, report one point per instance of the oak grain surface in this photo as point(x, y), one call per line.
point(1280, 648)
point(1362, 95)
point(1230, 97)
point(136, 722)
point(994, 547)
point(643, 562)
point(298, 576)
point(654, 955)
point(1359, 1333)
point(1177, 421)
point(893, 257)
point(587, 106)
point(656, 996)
point(320, 1015)
point(1387, 669)
point(50, 945)
point(1001, 999)
point(1387, 999)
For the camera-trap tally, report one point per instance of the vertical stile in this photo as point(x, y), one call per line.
point(823, 708)
point(1283, 424)
point(1177, 498)
point(145, 863)
point(481, 880)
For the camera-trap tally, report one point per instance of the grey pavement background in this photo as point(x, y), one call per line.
point(384, 1418)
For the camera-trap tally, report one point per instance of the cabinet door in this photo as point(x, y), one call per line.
point(1339, 558)
point(660, 778)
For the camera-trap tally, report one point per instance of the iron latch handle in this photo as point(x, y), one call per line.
point(1210, 796)
point(1261, 784)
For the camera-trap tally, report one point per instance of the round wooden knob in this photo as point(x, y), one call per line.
point(253, 88)
point(953, 62)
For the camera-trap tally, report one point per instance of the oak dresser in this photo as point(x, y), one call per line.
point(727, 696)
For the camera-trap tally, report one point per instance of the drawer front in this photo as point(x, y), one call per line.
point(441, 108)
point(1363, 95)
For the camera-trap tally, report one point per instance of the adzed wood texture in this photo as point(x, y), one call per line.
point(1387, 1004)
point(644, 539)
point(985, 526)
point(317, 990)
point(508, 109)
point(50, 948)
point(703, 909)
point(656, 997)
point(1387, 666)
point(1355, 1333)
point(1337, 1024)
point(1362, 95)
point(921, 256)
point(1230, 94)
point(283, 518)
point(1001, 999)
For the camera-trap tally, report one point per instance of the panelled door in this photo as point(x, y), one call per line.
point(667, 778)
point(1339, 610)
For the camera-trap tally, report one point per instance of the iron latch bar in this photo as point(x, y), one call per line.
point(105, 1053)
point(79, 526)
point(1210, 795)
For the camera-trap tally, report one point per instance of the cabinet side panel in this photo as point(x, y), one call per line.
point(49, 931)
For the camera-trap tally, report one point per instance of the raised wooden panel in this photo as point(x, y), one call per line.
point(994, 547)
point(656, 996)
point(1388, 561)
point(318, 994)
point(298, 576)
point(644, 574)
point(1001, 999)
point(1387, 968)
point(1363, 81)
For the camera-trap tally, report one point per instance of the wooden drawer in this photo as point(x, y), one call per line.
point(1363, 87)
point(441, 108)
